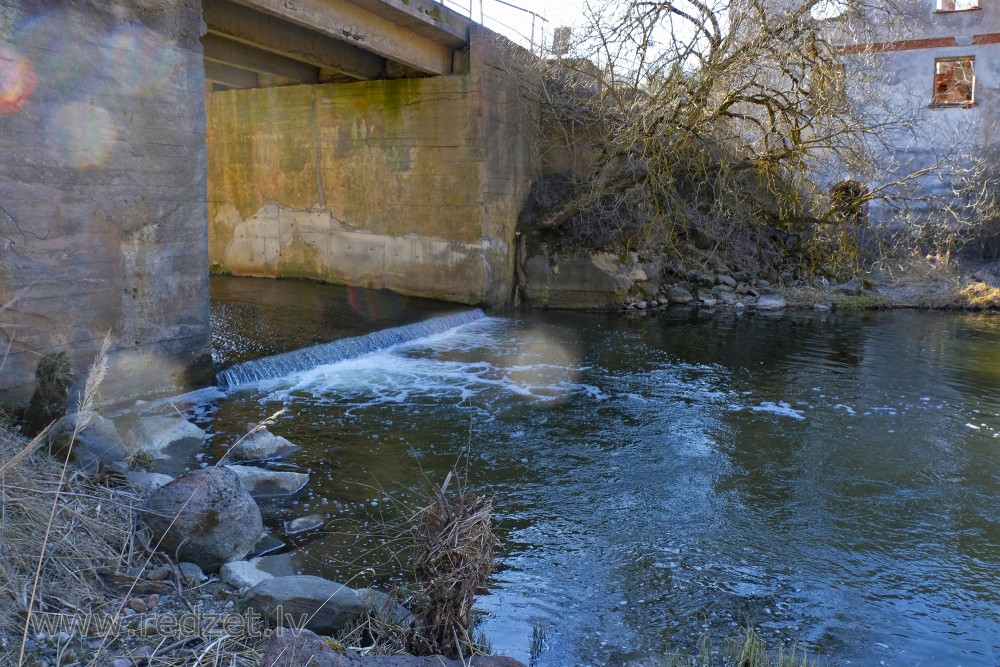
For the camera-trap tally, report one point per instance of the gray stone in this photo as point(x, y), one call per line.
point(771, 302)
point(728, 298)
point(641, 305)
point(288, 647)
point(242, 574)
point(723, 279)
point(161, 435)
point(147, 481)
point(207, 516)
point(852, 287)
point(679, 295)
point(706, 279)
point(326, 604)
point(762, 283)
point(706, 299)
point(822, 307)
point(577, 280)
point(741, 276)
point(304, 523)
point(191, 573)
point(96, 443)
point(264, 483)
point(385, 606)
point(266, 544)
point(722, 289)
point(278, 565)
point(262, 445)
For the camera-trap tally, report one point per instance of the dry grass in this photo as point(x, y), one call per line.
point(70, 549)
point(937, 283)
point(748, 651)
point(452, 543)
point(56, 531)
point(980, 296)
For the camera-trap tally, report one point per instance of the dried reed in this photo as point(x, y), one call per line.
point(452, 543)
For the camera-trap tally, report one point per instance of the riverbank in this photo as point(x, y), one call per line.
point(921, 284)
point(82, 587)
point(106, 560)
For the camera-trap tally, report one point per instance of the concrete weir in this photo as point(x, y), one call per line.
point(379, 143)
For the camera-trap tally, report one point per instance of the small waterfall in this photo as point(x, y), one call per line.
point(285, 363)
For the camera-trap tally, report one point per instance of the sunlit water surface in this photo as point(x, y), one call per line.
point(833, 480)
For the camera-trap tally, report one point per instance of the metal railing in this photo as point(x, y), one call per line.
point(531, 34)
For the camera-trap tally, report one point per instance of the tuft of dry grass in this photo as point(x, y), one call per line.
point(980, 296)
point(747, 651)
point(49, 558)
point(452, 541)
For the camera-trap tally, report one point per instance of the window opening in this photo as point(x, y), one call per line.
point(954, 81)
point(957, 5)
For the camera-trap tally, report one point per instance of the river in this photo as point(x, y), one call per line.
point(831, 479)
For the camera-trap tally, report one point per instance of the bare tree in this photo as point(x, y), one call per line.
point(737, 125)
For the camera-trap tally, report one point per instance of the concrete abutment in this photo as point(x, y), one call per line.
point(111, 135)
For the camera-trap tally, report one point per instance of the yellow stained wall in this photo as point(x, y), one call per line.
point(378, 184)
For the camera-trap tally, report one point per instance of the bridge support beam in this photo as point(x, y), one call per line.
point(363, 29)
point(240, 24)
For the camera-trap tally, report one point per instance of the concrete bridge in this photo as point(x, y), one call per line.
point(381, 143)
point(254, 43)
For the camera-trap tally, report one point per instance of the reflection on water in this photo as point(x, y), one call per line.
point(830, 479)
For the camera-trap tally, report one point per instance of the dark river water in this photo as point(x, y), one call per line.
point(833, 480)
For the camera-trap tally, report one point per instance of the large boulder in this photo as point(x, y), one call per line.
point(852, 287)
point(261, 445)
point(771, 302)
point(206, 517)
point(679, 295)
point(97, 441)
point(245, 574)
point(580, 280)
point(265, 483)
point(325, 604)
point(161, 436)
point(288, 647)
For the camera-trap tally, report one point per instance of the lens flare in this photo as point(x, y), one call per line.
point(81, 135)
point(17, 81)
point(140, 60)
point(545, 367)
point(373, 305)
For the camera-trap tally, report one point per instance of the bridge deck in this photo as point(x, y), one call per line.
point(254, 43)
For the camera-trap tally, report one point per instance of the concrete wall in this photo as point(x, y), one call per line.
point(413, 185)
point(102, 189)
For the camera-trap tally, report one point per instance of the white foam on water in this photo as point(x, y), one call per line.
point(450, 366)
point(779, 408)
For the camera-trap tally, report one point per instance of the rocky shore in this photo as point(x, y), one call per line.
point(200, 576)
point(634, 282)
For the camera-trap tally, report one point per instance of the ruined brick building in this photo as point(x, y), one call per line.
point(939, 66)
